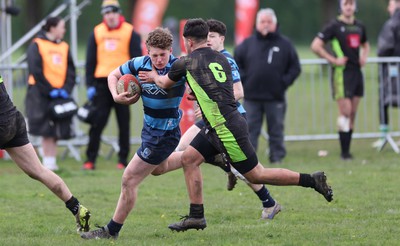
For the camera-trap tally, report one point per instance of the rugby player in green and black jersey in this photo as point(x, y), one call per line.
point(209, 76)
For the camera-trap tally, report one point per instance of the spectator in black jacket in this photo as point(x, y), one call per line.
point(268, 64)
point(388, 45)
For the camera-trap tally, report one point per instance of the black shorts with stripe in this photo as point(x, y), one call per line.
point(347, 83)
point(230, 138)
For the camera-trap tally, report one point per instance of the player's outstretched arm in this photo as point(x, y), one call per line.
point(162, 81)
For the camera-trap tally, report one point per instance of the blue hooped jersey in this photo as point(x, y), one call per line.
point(235, 76)
point(161, 106)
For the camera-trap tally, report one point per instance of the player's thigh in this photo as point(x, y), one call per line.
point(26, 158)
point(344, 106)
point(137, 170)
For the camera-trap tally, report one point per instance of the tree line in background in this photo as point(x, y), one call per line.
point(300, 20)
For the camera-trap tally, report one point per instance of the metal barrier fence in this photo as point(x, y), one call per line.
point(73, 146)
point(311, 113)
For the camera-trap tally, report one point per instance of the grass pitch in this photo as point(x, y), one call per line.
point(365, 210)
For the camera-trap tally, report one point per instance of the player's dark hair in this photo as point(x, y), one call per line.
point(160, 38)
point(217, 26)
point(196, 29)
point(51, 22)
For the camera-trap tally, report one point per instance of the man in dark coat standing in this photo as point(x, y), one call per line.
point(268, 64)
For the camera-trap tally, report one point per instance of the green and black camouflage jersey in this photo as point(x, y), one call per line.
point(345, 40)
point(7, 108)
point(209, 76)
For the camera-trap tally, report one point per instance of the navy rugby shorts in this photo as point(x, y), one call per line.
point(157, 145)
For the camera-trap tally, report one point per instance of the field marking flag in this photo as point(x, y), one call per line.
point(245, 13)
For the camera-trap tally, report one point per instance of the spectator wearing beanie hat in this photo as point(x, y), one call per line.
point(110, 6)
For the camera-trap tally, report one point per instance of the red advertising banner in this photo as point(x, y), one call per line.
point(181, 44)
point(187, 106)
point(146, 16)
point(245, 15)
point(188, 117)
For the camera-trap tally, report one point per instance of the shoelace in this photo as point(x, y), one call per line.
point(184, 217)
point(100, 230)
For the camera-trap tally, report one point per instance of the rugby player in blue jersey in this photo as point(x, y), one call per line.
point(160, 133)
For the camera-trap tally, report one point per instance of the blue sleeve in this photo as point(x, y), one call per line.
point(132, 66)
point(235, 71)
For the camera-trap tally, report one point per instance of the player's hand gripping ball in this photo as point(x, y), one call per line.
point(128, 83)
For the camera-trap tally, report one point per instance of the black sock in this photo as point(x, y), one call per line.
point(73, 205)
point(196, 211)
point(345, 139)
point(306, 180)
point(265, 198)
point(342, 140)
point(114, 227)
point(350, 137)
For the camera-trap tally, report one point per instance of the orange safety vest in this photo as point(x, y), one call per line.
point(55, 62)
point(112, 48)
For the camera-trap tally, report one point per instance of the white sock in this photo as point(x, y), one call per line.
point(49, 160)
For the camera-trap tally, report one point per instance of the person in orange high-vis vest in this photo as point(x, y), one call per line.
point(111, 44)
point(51, 76)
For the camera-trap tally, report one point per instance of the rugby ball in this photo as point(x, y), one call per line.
point(128, 83)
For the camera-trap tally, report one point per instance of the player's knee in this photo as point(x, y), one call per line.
point(38, 174)
point(185, 159)
point(33, 176)
point(343, 123)
point(191, 159)
point(158, 171)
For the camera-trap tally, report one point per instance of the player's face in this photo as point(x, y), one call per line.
point(112, 19)
point(59, 30)
point(348, 7)
point(215, 41)
point(391, 7)
point(265, 24)
point(159, 57)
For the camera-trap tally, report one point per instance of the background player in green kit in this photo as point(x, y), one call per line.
point(346, 35)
